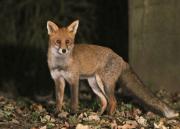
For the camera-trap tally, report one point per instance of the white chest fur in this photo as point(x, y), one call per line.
point(55, 74)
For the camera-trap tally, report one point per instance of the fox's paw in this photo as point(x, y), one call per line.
point(58, 109)
point(74, 110)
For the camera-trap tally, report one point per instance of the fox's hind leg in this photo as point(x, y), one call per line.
point(109, 89)
point(93, 84)
point(100, 84)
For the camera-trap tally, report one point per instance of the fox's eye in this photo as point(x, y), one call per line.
point(67, 41)
point(58, 42)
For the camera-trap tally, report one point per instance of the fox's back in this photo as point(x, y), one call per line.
point(93, 57)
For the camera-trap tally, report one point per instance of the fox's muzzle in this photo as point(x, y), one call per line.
point(62, 50)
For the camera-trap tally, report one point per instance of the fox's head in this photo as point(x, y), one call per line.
point(61, 39)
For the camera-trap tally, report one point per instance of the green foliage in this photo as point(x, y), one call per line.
point(50, 125)
point(73, 120)
point(35, 116)
point(8, 115)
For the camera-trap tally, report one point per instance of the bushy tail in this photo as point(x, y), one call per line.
point(132, 83)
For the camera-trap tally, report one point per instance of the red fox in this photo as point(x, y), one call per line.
point(101, 67)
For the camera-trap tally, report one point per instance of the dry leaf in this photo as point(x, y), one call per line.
point(94, 117)
point(2, 98)
point(130, 124)
point(160, 125)
point(19, 111)
point(113, 125)
point(15, 121)
point(37, 107)
point(141, 120)
point(81, 116)
point(63, 114)
point(126, 126)
point(45, 119)
point(136, 112)
point(9, 107)
point(44, 127)
point(66, 124)
point(80, 126)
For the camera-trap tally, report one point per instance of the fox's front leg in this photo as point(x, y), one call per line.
point(59, 90)
point(74, 88)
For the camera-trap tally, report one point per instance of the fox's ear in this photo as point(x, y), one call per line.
point(73, 27)
point(51, 27)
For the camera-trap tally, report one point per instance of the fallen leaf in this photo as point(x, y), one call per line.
point(151, 115)
point(52, 120)
point(63, 114)
point(81, 116)
point(160, 125)
point(2, 98)
point(15, 121)
point(85, 114)
point(141, 120)
point(94, 117)
point(80, 126)
point(130, 124)
point(126, 126)
point(37, 107)
point(33, 128)
point(44, 127)
point(19, 111)
point(113, 125)
point(137, 112)
point(66, 124)
point(1, 113)
point(45, 119)
point(9, 107)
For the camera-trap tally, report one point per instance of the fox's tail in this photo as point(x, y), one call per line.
point(133, 84)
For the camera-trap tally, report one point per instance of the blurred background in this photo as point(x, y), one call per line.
point(146, 33)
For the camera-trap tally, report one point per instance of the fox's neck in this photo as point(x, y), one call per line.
point(60, 62)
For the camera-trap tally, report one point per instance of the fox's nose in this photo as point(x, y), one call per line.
point(63, 50)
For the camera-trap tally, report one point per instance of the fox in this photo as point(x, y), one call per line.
point(100, 66)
